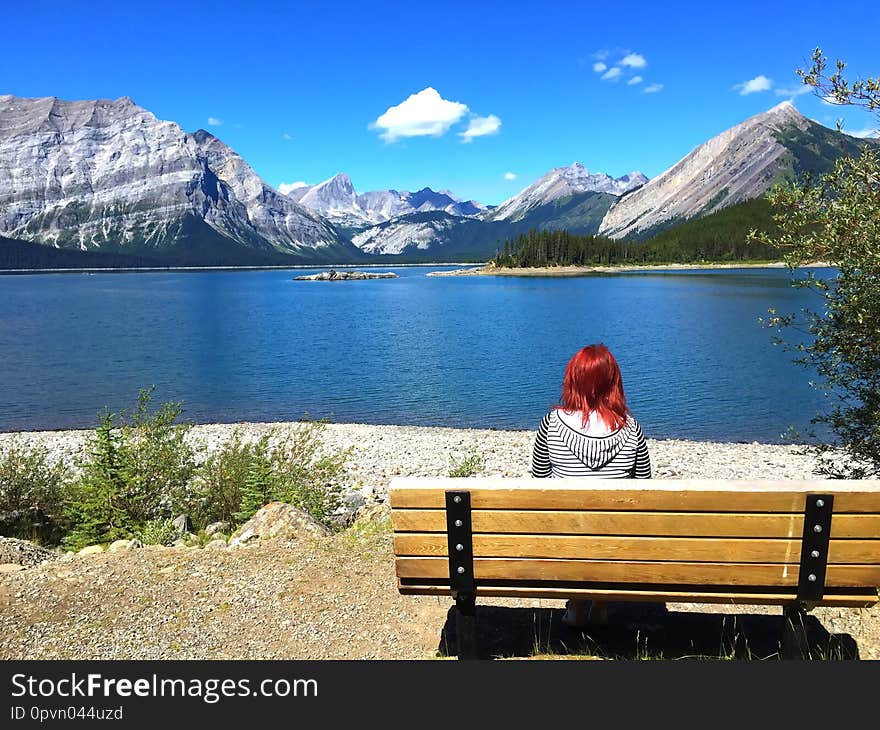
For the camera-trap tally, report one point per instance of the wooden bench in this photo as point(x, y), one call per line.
point(796, 544)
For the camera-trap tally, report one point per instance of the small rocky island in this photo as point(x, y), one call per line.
point(333, 275)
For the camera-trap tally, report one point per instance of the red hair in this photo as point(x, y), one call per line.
point(593, 383)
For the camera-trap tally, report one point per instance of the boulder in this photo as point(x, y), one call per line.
point(22, 552)
point(216, 545)
point(376, 512)
point(91, 550)
point(278, 520)
point(122, 545)
point(182, 525)
point(217, 527)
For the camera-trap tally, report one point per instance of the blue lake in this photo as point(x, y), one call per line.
point(480, 352)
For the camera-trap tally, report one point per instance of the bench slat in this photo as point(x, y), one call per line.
point(851, 599)
point(688, 573)
point(715, 550)
point(530, 498)
point(681, 524)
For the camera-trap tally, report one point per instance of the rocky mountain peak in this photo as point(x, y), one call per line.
point(738, 164)
point(107, 174)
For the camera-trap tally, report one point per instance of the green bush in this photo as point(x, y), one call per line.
point(139, 470)
point(470, 464)
point(158, 532)
point(31, 489)
point(220, 485)
point(242, 477)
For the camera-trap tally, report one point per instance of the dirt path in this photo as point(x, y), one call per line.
point(336, 599)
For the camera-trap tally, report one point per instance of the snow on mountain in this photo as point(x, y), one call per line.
point(562, 182)
point(337, 200)
point(109, 174)
point(394, 236)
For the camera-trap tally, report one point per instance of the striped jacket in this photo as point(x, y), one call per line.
point(563, 451)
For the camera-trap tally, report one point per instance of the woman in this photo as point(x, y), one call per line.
point(590, 434)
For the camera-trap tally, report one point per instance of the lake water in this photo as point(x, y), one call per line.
point(480, 352)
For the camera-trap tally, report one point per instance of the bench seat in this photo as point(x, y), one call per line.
point(797, 544)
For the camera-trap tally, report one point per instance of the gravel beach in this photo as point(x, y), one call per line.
point(335, 597)
point(382, 452)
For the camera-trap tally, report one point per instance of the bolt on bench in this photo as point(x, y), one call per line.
point(796, 544)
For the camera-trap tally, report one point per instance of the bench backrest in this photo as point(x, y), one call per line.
point(709, 540)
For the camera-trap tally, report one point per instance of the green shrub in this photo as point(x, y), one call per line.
point(470, 464)
point(308, 478)
point(31, 488)
point(160, 464)
point(158, 532)
point(139, 470)
point(218, 486)
point(242, 477)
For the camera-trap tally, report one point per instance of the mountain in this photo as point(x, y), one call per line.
point(337, 200)
point(411, 233)
point(440, 236)
point(563, 182)
point(109, 176)
point(567, 198)
point(739, 164)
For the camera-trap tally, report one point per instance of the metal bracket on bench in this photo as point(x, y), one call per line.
point(459, 534)
point(814, 548)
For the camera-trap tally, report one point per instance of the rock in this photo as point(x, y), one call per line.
point(121, 545)
point(373, 513)
point(91, 550)
point(216, 545)
point(346, 512)
point(217, 527)
point(10, 568)
point(346, 276)
point(278, 519)
point(22, 552)
point(182, 525)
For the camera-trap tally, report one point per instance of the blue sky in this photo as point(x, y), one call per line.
point(305, 90)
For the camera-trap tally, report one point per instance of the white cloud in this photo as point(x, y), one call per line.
point(872, 132)
point(286, 136)
point(420, 115)
point(831, 100)
point(653, 88)
point(480, 127)
point(510, 176)
point(214, 122)
point(612, 74)
point(285, 188)
point(601, 55)
point(796, 91)
point(634, 80)
point(634, 60)
point(759, 83)
point(599, 67)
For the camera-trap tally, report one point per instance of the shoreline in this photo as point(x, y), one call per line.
point(573, 271)
point(382, 452)
point(184, 269)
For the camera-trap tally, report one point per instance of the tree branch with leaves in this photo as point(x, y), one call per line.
point(836, 219)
